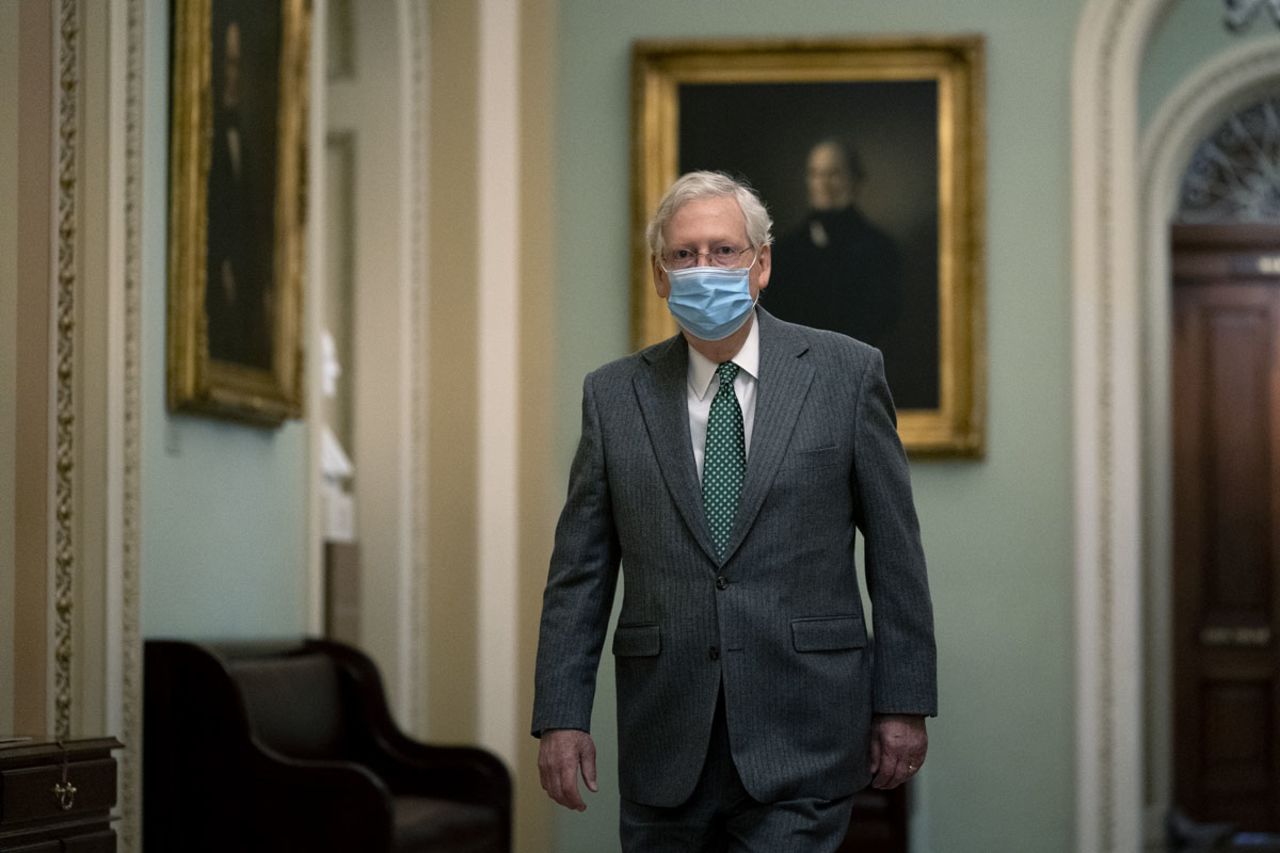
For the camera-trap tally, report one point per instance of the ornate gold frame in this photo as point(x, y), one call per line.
point(956, 427)
point(196, 382)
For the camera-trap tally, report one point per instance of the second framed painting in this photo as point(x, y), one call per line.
point(237, 208)
point(869, 156)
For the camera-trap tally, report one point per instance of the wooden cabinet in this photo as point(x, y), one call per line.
point(57, 797)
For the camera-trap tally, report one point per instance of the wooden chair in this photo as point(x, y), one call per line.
point(289, 746)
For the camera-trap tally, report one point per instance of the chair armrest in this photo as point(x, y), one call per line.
point(319, 806)
point(448, 772)
point(409, 766)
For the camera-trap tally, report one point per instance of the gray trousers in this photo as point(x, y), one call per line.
point(721, 817)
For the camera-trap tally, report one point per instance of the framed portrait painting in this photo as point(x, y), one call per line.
point(869, 157)
point(237, 207)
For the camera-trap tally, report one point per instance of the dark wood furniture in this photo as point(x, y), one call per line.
point(57, 797)
point(290, 747)
point(879, 822)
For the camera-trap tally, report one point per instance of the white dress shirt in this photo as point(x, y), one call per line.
point(701, 390)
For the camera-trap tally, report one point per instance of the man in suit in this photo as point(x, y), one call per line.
point(727, 469)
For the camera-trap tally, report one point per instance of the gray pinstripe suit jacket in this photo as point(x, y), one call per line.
point(779, 619)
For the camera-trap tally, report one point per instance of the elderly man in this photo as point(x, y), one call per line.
point(727, 470)
point(837, 270)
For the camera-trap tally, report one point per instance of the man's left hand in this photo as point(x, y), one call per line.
point(898, 746)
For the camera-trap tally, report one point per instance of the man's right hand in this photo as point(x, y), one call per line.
point(561, 753)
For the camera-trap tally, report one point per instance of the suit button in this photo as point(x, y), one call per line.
point(714, 653)
point(722, 582)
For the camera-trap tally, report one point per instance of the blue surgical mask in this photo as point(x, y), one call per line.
point(710, 303)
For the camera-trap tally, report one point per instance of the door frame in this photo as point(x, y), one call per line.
point(1121, 424)
point(1217, 89)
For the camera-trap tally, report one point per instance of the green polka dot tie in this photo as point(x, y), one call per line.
point(725, 459)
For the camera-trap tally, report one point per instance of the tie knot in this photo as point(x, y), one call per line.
point(727, 371)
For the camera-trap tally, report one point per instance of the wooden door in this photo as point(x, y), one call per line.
point(1226, 398)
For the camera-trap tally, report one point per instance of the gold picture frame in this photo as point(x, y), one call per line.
point(914, 109)
point(237, 208)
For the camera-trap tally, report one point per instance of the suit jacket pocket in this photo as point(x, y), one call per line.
point(635, 641)
point(813, 457)
point(828, 633)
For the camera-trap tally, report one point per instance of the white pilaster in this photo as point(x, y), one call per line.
point(499, 370)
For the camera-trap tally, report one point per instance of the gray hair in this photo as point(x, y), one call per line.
point(695, 185)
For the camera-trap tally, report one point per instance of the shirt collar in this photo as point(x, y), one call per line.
point(702, 370)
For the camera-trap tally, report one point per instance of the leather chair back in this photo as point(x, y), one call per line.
point(295, 704)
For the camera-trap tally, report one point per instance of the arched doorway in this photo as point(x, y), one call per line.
point(1122, 198)
point(1216, 648)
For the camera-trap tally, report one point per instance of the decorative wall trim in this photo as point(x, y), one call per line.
point(1218, 186)
point(130, 630)
point(1240, 13)
point(1095, 169)
point(1108, 56)
point(1247, 73)
point(66, 155)
point(416, 92)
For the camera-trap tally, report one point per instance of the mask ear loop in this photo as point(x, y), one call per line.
point(756, 301)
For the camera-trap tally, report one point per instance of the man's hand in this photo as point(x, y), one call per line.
point(898, 746)
point(561, 754)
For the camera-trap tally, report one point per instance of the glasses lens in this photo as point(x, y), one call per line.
point(719, 256)
point(725, 256)
point(679, 259)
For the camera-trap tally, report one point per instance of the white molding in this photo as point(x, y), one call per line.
point(123, 663)
point(1230, 81)
point(1106, 353)
point(373, 107)
point(313, 321)
point(499, 370)
point(412, 579)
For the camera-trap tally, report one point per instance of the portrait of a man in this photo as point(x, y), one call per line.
point(849, 171)
point(237, 208)
point(837, 269)
point(239, 294)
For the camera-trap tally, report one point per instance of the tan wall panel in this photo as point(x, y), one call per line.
point(8, 343)
point(31, 469)
point(8, 340)
point(540, 483)
point(452, 597)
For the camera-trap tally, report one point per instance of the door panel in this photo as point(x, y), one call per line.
point(1234, 447)
point(1226, 418)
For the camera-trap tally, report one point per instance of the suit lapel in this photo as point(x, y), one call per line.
point(660, 391)
point(782, 387)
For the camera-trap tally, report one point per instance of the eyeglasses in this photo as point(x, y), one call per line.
point(723, 255)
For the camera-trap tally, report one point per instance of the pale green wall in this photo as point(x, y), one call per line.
point(1189, 34)
point(223, 506)
point(997, 531)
